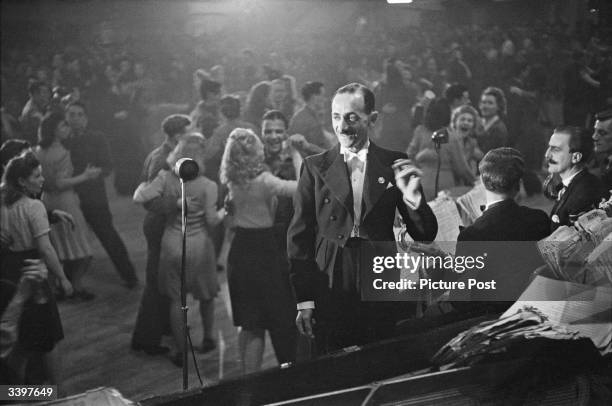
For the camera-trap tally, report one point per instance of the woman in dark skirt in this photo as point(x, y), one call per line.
point(25, 235)
point(258, 283)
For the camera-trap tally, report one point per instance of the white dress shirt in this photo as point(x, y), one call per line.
point(356, 163)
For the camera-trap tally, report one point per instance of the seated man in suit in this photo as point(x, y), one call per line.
point(569, 150)
point(346, 199)
point(509, 264)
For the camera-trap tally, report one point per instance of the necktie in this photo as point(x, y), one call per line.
point(561, 191)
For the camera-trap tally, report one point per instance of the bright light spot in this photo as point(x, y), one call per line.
point(399, 1)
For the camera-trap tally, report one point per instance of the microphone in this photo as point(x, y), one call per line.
point(186, 169)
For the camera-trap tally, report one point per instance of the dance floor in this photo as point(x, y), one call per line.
point(96, 349)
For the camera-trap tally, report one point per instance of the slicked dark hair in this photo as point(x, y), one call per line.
point(369, 102)
point(175, 124)
point(580, 141)
point(502, 169)
point(275, 115)
point(455, 91)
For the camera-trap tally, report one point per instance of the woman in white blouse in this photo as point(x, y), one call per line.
point(259, 286)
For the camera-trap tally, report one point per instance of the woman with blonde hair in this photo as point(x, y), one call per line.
point(465, 123)
point(259, 286)
point(200, 263)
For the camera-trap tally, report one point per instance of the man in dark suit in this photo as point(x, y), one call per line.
point(509, 264)
point(602, 138)
point(89, 148)
point(569, 149)
point(346, 197)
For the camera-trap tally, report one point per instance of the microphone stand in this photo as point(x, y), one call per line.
point(184, 175)
point(438, 146)
point(184, 307)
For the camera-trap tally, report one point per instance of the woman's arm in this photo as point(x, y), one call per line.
point(46, 250)
point(213, 216)
point(90, 172)
point(278, 186)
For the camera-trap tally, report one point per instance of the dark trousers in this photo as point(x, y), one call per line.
point(153, 316)
point(342, 318)
point(101, 221)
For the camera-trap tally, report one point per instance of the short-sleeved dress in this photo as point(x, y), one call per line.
point(201, 263)
point(71, 243)
point(21, 223)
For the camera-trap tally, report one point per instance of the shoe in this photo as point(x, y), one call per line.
point(150, 349)
point(208, 344)
point(177, 359)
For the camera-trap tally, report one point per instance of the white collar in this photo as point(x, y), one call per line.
point(488, 124)
point(361, 154)
point(489, 204)
point(567, 181)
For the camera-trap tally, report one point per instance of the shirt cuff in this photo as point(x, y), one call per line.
point(306, 305)
point(411, 204)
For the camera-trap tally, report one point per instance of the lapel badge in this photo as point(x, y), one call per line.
point(555, 218)
point(381, 180)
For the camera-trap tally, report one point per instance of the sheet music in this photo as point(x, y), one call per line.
point(470, 203)
point(446, 213)
point(587, 309)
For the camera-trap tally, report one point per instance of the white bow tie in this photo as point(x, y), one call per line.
point(361, 155)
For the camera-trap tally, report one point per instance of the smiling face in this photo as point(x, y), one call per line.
point(350, 121)
point(465, 122)
point(488, 106)
point(76, 118)
point(32, 185)
point(273, 133)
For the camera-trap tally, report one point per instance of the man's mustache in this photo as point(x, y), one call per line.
point(552, 162)
point(348, 131)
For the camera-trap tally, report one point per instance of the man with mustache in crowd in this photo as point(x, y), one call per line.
point(569, 149)
point(346, 199)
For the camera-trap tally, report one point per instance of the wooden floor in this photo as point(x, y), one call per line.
point(96, 349)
